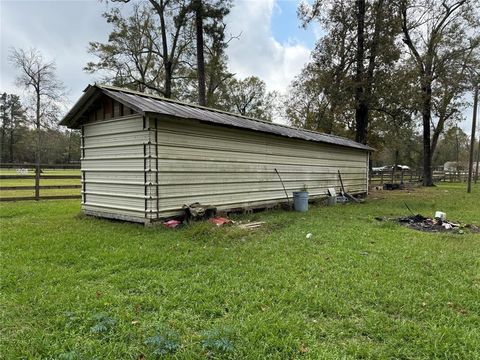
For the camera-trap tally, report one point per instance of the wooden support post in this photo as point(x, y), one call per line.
point(37, 181)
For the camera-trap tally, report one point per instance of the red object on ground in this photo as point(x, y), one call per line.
point(172, 224)
point(219, 221)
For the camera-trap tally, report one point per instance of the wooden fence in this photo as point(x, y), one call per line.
point(38, 187)
point(377, 178)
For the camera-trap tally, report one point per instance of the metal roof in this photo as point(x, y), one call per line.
point(146, 103)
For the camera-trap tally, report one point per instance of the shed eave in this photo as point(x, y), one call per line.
point(153, 105)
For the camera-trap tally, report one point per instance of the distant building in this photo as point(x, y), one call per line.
point(454, 166)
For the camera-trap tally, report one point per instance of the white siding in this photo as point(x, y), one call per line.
point(233, 168)
point(113, 168)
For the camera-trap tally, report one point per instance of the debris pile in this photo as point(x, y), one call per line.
point(436, 224)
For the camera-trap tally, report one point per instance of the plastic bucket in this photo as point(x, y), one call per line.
point(300, 201)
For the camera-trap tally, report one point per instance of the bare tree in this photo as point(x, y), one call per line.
point(38, 77)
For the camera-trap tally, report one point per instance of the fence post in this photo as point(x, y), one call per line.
point(37, 182)
point(381, 179)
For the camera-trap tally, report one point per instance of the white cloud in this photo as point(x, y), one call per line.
point(257, 52)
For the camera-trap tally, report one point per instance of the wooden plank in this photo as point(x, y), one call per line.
point(17, 176)
point(42, 187)
point(60, 177)
point(41, 177)
point(43, 166)
point(60, 197)
point(18, 198)
point(55, 197)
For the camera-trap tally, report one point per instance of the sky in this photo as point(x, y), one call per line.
point(271, 45)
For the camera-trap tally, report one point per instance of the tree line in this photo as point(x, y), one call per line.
point(390, 74)
point(18, 137)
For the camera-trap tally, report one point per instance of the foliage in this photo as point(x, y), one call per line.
point(151, 50)
point(358, 288)
point(12, 118)
point(442, 40)
point(58, 146)
point(350, 64)
point(166, 341)
point(131, 57)
point(134, 56)
point(403, 50)
point(453, 146)
point(249, 97)
point(218, 340)
point(102, 323)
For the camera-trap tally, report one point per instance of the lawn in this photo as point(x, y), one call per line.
point(74, 287)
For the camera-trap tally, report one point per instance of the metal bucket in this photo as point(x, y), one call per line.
point(300, 201)
point(331, 201)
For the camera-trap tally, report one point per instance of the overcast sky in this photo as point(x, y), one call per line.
point(272, 46)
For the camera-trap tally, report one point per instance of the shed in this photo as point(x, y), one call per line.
point(143, 157)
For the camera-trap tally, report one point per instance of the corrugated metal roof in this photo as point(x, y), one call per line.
point(146, 103)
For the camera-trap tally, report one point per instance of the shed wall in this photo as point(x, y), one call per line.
point(190, 161)
point(113, 168)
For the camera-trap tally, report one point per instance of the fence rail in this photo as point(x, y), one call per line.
point(42, 166)
point(38, 187)
point(414, 176)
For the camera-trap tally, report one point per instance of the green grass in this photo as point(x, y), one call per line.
point(74, 287)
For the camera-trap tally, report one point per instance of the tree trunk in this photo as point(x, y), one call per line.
point(11, 145)
point(168, 79)
point(200, 57)
point(12, 121)
point(2, 145)
point(37, 152)
point(361, 108)
point(426, 119)
point(478, 162)
point(472, 140)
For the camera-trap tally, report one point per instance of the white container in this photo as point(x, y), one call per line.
point(440, 215)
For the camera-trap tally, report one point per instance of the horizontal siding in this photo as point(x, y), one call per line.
point(231, 168)
point(113, 175)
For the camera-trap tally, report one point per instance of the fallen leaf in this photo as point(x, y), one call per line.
point(303, 349)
